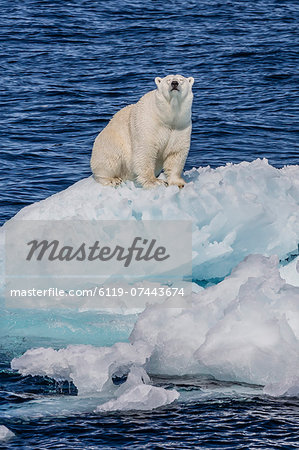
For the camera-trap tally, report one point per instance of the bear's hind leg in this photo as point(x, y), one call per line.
point(109, 172)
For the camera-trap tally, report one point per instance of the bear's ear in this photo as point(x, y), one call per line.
point(158, 81)
point(191, 81)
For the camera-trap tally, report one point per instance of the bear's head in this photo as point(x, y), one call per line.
point(174, 86)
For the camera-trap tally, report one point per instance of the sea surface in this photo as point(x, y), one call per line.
point(66, 68)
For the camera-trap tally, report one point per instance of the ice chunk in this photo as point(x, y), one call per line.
point(136, 393)
point(89, 368)
point(246, 329)
point(236, 210)
point(5, 433)
point(115, 372)
point(140, 397)
point(286, 388)
point(290, 272)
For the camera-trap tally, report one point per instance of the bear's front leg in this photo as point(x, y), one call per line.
point(173, 166)
point(176, 181)
point(149, 181)
point(175, 157)
point(144, 168)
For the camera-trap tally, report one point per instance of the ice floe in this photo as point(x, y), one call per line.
point(236, 210)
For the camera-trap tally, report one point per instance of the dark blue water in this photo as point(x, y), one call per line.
point(66, 67)
point(225, 424)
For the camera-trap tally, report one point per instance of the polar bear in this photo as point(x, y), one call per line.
point(147, 137)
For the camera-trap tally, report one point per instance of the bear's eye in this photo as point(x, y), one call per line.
point(181, 80)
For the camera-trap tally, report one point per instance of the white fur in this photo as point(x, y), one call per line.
point(144, 138)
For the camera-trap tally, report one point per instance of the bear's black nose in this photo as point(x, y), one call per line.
point(174, 84)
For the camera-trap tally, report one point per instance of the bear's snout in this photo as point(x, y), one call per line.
point(174, 85)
